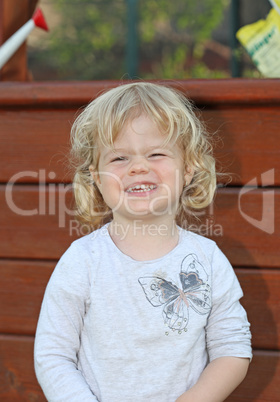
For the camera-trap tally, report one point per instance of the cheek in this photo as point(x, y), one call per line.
point(175, 174)
point(179, 180)
point(109, 182)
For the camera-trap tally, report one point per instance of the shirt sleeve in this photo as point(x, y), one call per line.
point(57, 340)
point(228, 330)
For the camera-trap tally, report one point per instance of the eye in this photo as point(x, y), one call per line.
point(158, 154)
point(119, 158)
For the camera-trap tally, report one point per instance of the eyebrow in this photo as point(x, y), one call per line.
point(117, 151)
point(114, 151)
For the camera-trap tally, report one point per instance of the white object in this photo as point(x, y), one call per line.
point(116, 329)
point(16, 40)
point(275, 5)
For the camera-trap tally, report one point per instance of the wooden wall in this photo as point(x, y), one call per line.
point(36, 212)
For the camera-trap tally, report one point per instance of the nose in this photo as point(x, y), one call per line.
point(139, 165)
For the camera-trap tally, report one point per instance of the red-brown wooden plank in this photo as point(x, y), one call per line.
point(262, 381)
point(35, 143)
point(203, 92)
point(47, 233)
point(22, 288)
point(250, 226)
point(34, 228)
point(19, 382)
point(245, 142)
point(262, 303)
point(23, 284)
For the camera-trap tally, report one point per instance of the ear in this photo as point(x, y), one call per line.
point(188, 175)
point(95, 177)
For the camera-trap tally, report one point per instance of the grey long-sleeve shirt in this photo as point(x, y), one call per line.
point(114, 329)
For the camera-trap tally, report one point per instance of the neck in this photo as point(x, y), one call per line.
point(145, 240)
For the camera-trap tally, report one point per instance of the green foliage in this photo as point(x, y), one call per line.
point(81, 46)
point(90, 41)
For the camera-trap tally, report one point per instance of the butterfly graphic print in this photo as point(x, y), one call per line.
point(176, 302)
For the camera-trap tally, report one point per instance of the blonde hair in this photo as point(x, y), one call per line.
point(101, 121)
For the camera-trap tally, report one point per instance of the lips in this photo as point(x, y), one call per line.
point(141, 188)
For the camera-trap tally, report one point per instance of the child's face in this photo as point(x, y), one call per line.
point(141, 176)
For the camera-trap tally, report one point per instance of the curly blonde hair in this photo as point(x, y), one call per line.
point(101, 121)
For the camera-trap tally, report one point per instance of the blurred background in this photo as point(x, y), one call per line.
point(146, 39)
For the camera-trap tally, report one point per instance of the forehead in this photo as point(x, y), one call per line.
point(139, 135)
point(142, 129)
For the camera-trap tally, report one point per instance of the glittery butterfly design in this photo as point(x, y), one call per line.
point(195, 293)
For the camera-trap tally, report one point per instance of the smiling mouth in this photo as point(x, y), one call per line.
point(141, 188)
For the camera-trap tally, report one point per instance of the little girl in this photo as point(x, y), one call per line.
point(141, 309)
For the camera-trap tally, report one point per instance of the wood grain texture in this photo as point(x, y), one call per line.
point(35, 143)
point(38, 223)
point(262, 382)
point(245, 142)
point(203, 92)
point(18, 380)
point(250, 225)
point(23, 285)
point(262, 303)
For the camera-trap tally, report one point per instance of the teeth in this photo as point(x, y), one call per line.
point(141, 188)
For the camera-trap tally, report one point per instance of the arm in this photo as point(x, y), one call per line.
point(217, 381)
point(228, 338)
point(57, 340)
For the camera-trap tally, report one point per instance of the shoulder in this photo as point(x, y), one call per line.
point(89, 242)
point(77, 264)
point(204, 244)
point(206, 247)
point(86, 252)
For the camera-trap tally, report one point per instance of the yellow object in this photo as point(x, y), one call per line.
point(262, 41)
point(276, 5)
